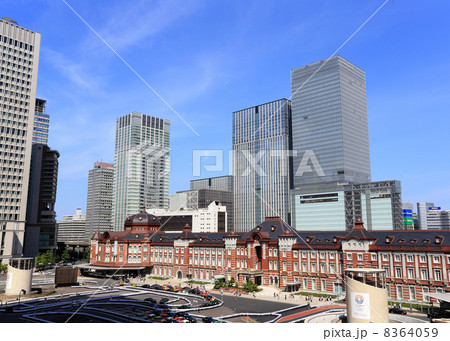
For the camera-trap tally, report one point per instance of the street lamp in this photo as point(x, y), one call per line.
point(23, 291)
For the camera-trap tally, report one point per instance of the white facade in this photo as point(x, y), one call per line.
point(438, 219)
point(141, 166)
point(203, 220)
point(72, 228)
point(19, 70)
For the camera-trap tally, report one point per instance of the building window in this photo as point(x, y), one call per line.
point(437, 275)
point(120, 258)
point(284, 266)
point(412, 293)
point(410, 273)
point(331, 255)
point(121, 248)
point(238, 263)
point(399, 292)
point(274, 252)
point(270, 252)
point(313, 255)
point(295, 266)
point(425, 290)
point(349, 256)
point(436, 259)
point(145, 248)
point(270, 265)
point(424, 274)
point(360, 257)
point(322, 255)
point(388, 288)
point(373, 257)
point(333, 268)
point(398, 272)
point(323, 285)
point(313, 267)
point(229, 262)
point(305, 283)
point(322, 267)
point(314, 284)
point(410, 258)
point(275, 265)
point(304, 254)
point(423, 259)
point(284, 254)
point(238, 251)
point(304, 267)
point(295, 254)
point(385, 257)
point(397, 258)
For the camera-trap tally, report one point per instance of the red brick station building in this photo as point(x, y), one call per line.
point(274, 254)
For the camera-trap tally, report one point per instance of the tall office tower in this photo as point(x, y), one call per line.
point(224, 183)
point(422, 209)
point(329, 123)
point(41, 123)
point(261, 180)
point(99, 199)
point(72, 228)
point(40, 229)
point(141, 166)
point(19, 61)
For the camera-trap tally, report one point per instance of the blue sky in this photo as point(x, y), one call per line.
point(210, 58)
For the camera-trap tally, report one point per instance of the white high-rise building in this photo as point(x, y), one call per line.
point(19, 58)
point(141, 166)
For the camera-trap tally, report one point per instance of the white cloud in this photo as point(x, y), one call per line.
point(74, 72)
point(130, 25)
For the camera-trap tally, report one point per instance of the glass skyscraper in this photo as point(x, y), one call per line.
point(329, 122)
point(41, 123)
point(141, 166)
point(261, 176)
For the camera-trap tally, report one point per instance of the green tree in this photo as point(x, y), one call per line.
point(65, 255)
point(3, 268)
point(250, 286)
point(219, 283)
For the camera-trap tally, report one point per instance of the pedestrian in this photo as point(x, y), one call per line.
point(285, 297)
point(273, 294)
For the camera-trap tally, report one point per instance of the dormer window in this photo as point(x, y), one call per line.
point(389, 239)
point(401, 241)
point(413, 241)
point(426, 241)
point(335, 239)
point(438, 239)
point(273, 228)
